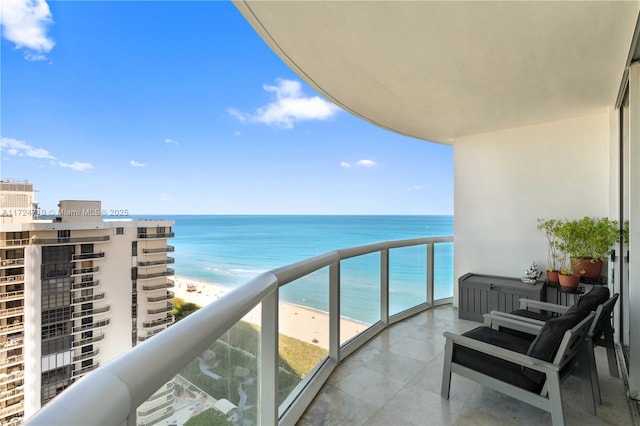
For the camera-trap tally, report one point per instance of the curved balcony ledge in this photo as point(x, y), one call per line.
point(166, 249)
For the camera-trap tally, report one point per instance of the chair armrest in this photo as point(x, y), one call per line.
point(536, 304)
point(517, 317)
point(512, 322)
point(505, 354)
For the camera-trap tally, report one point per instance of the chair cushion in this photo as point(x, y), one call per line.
point(546, 344)
point(590, 301)
point(492, 366)
point(532, 315)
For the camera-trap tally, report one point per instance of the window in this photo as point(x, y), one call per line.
point(134, 248)
point(119, 231)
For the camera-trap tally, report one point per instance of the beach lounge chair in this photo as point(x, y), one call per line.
point(529, 371)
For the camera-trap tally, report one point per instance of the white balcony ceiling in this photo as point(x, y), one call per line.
point(440, 70)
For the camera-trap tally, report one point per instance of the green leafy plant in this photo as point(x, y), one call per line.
point(588, 237)
point(555, 257)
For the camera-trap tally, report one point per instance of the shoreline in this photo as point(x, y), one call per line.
point(307, 324)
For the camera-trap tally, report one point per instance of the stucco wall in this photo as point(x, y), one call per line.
point(504, 181)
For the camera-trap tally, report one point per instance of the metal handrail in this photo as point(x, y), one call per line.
point(130, 378)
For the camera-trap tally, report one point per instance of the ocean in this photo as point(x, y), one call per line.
point(230, 250)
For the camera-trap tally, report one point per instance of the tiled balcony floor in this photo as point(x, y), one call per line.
point(395, 380)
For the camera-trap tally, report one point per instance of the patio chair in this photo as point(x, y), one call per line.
point(528, 371)
point(600, 333)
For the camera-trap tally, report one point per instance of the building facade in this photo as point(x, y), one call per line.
point(76, 291)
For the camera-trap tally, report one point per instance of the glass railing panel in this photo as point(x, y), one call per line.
point(443, 280)
point(303, 341)
point(407, 278)
point(359, 294)
point(218, 387)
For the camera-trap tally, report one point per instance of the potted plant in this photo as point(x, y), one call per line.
point(555, 257)
point(587, 242)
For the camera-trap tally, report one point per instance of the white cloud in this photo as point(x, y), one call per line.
point(134, 163)
point(417, 187)
point(165, 198)
point(289, 107)
point(76, 165)
point(25, 23)
point(345, 165)
point(170, 141)
point(366, 163)
point(22, 149)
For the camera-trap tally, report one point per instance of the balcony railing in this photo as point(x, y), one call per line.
point(144, 236)
point(166, 273)
point(85, 327)
point(84, 271)
point(11, 279)
point(12, 295)
point(188, 339)
point(11, 312)
point(167, 308)
point(11, 263)
point(87, 299)
point(158, 322)
point(11, 409)
point(147, 263)
point(170, 295)
point(83, 285)
point(86, 355)
point(165, 249)
point(87, 341)
point(167, 284)
point(12, 360)
point(87, 256)
point(14, 243)
point(71, 240)
point(90, 312)
point(84, 370)
point(11, 328)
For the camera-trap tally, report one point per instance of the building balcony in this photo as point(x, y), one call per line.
point(88, 341)
point(92, 326)
point(144, 236)
point(14, 243)
point(159, 405)
point(154, 287)
point(11, 279)
point(11, 312)
point(87, 256)
point(11, 361)
point(16, 392)
point(83, 285)
point(71, 240)
point(165, 249)
point(11, 263)
point(87, 299)
point(11, 410)
point(12, 295)
point(149, 335)
point(155, 417)
point(147, 263)
point(86, 355)
point(8, 378)
point(82, 371)
point(76, 272)
point(167, 308)
point(169, 272)
point(164, 391)
point(90, 312)
point(157, 323)
point(170, 295)
point(16, 327)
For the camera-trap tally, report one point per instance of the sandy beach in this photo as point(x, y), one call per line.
point(306, 324)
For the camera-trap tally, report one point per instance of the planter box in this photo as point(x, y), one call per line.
point(481, 294)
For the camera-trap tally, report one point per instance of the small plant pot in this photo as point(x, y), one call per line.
point(569, 282)
point(552, 277)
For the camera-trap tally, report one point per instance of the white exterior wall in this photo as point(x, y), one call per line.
point(32, 328)
point(504, 181)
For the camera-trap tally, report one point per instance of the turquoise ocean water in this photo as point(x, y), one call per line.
point(230, 250)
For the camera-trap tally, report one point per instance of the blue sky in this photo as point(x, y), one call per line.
point(180, 108)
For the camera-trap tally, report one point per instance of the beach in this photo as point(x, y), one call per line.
point(300, 322)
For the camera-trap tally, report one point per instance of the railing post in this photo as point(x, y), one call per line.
point(430, 273)
point(384, 286)
point(334, 311)
point(268, 362)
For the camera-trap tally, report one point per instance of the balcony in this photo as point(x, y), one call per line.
point(76, 272)
point(12, 328)
point(170, 295)
point(11, 312)
point(11, 409)
point(148, 263)
point(83, 285)
point(12, 295)
point(86, 355)
point(87, 299)
point(167, 273)
point(87, 341)
point(11, 263)
point(94, 325)
point(145, 236)
point(14, 243)
point(165, 249)
point(90, 312)
point(11, 361)
point(71, 240)
point(167, 308)
point(87, 256)
point(11, 279)
point(13, 393)
point(82, 371)
point(167, 284)
point(156, 323)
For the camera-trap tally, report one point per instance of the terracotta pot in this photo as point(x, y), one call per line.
point(552, 277)
point(591, 267)
point(570, 282)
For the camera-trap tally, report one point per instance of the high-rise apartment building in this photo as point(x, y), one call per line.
point(76, 291)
